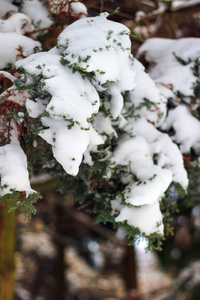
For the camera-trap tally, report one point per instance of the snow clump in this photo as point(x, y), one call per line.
point(92, 89)
point(174, 66)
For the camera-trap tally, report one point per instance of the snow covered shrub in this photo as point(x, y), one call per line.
point(98, 110)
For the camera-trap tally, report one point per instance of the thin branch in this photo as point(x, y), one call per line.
point(109, 10)
point(185, 5)
point(86, 220)
point(38, 30)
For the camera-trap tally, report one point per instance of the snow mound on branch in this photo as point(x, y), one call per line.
point(175, 70)
point(18, 23)
point(152, 181)
point(10, 45)
point(148, 218)
point(146, 182)
point(75, 9)
point(101, 48)
point(69, 145)
point(7, 6)
point(148, 102)
point(167, 69)
point(13, 161)
point(37, 12)
point(72, 102)
point(164, 151)
point(186, 127)
point(71, 96)
point(78, 8)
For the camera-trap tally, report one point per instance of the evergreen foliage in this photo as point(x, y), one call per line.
point(86, 113)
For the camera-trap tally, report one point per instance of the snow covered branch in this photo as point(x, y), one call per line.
point(103, 116)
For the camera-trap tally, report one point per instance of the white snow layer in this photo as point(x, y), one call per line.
point(167, 69)
point(152, 180)
point(75, 8)
point(69, 145)
point(93, 55)
point(13, 162)
point(177, 4)
point(103, 47)
point(7, 6)
point(78, 8)
point(18, 23)
point(36, 10)
point(73, 102)
point(186, 127)
point(147, 218)
point(167, 153)
point(10, 45)
point(172, 70)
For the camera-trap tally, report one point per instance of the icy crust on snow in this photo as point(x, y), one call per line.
point(173, 72)
point(13, 161)
point(10, 42)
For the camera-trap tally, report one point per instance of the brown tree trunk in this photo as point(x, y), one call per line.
point(130, 268)
point(7, 250)
point(60, 220)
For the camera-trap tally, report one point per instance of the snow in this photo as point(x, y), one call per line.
point(78, 8)
point(9, 42)
point(146, 192)
point(13, 161)
point(157, 112)
point(35, 108)
point(37, 12)
point(87, 86)
point(150, 180)
point(177, 4)
point(73, 101)
point(99, 46)
point(160, 51)
point(174, 76)
point(6, 6)
point(13, 95)
point(71, 95)
point(186, 127)
point(7, 75)
point(18, 23)
point(147, 218)
point(74, 8)
point(103, 125)
point(167, 153)
point(69, 145)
